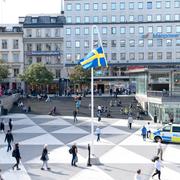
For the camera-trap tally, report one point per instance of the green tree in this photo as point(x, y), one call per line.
point(37, 74)
point(80, 76)
point(4, 72)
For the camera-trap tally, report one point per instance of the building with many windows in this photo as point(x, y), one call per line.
point(11, 53)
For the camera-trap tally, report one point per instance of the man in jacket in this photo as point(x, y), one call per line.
point(9, 138)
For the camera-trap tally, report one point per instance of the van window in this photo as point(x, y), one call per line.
point(166, 129)
point(176, 129)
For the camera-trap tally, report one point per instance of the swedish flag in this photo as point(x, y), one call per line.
point(96, 58)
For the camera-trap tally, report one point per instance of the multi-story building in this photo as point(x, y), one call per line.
point(133, 33)
point(43, 42)
point(12, 54)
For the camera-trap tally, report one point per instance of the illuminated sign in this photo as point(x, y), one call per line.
point(160, 35)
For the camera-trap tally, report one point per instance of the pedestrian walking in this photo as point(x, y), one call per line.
point(98, 133)
point(138, 175)
point(1, 178)
point(10, 124)
point(157, 166)
point(130, 121)
point(74, 152)
point(89, 156)
point(99, 116)
point(148, 130)
point(144, 133)
point(75, 115)
point(160, 149)
point(17, 156)
point(9, 138)
point(45, 158)
point(2, 126)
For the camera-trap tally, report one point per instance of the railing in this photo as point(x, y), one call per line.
point(163, 93)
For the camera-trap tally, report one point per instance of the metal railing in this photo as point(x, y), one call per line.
point(163, 93)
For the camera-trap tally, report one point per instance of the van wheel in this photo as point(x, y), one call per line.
point(157, 138)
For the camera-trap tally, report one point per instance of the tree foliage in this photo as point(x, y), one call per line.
point(37, 74)
point(80, 76)
point(4, 72)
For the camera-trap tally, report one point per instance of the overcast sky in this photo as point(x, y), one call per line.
point(10, 10)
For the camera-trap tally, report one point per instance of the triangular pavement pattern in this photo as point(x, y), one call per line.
point(87, 140)
point(32, 129)
point(2, 137)
point(59, 155)
point(43, 116)
point(124, 123)
point(112, 130)
point(6, 157)
point(119, 155)
point(71, 130)
point(24, 121)
point(43, 139)
point(57, 121)
point(92, 173)
point(14, 116)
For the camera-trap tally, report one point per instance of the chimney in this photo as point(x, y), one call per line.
point(62, 7)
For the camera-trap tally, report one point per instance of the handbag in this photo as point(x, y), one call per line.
point(46, 157)
point(76, 159)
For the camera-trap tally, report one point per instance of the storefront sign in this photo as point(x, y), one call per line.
point(43, 53)
point(160, 35)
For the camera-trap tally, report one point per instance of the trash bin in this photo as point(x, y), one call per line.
point(155, 118)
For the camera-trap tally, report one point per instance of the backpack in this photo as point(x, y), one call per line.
point(70, 151)
point(14, 153)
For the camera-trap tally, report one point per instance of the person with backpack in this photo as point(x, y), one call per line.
point(2, 126)
point(10, 124)
point(17, 156)
point(45, 158)
point(74, 152)
point(9, 138)
point(144, 133)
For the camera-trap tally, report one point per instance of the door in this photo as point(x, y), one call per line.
point(166, 134)
point(176, 134)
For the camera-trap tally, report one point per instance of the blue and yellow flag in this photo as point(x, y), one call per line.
point(96, 58)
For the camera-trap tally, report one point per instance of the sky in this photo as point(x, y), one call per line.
point(11, 10)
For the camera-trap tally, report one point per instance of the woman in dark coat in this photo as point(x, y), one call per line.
point(45, 158)
point(10, 124)
point(17, 156)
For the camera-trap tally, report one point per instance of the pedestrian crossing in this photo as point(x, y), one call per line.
point(120, 151)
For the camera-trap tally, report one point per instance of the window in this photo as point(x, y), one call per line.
point(122, 18)
point(168, 29)
point(29, 32)
point(131, 18)
point(149, 5)
point(178, 29)
point(69, 19)
point(131, 5)
point(29, 47)
point(86, 6)
point(122, 43)
point(167, 4)
point(168, 55)
point(140, 18)
point(48, 47)
point(131, 43)
point(104, 19)
point(86, 19)
point(68, 44)
point(176, 129)
point(177, 55)
point(141, 42)
point(177, 17)
point(53, 20)
point(150, 42)
point(166, 129)
point(34, 20)
point(47, 33)
point(38, 32)
point(4, 44)
point(95, 19)
point(57, 46)
point(77, 56)
point(113, 56)
point(86, 43)
point(78, 7)
point(5, 57)
point(140, 5)
point(113, 43)
point(168, 42)
point(68, 57)
point(177, 42)
point(141, 30)
point(113, 18)
point(77, 44)
point(122, 30)
point(177, 4)
point(104, 30)
point(141, 56)
point(122, 56)
point(39, 47)
point(38, 59)
point(159, 55)
point(77, 31)
point(16, 72)
point(29, 60)
point(15, 44)
point(158, 17)
point(68, 31)
point(69, 7)
point(78, 19)
point(58, 73)
point(131, 30)
point(159, 42)
point(104, 6)
point(56, 33)
point(113, 6)
point(150, 29)
point(167, 17)
point(104, 43)
point(158, 4)
point(95, 6)
point(150, 55)
point(94, 30)
point(113, 30)
point(149, 17)
point(86, 31)
point(15, 57)
point(131, 56)
point(122, 5)
point(159, 29)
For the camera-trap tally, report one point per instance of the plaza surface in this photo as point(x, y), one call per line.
point(121, 151)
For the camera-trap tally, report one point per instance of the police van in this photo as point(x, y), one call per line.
point(168, 133)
